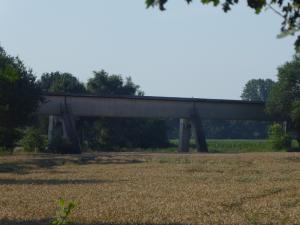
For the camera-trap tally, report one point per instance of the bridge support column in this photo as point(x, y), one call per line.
point(199, 134)
point(50, 129)
point(71, 133)
point(184, 135)
point(56, 128)
point(63, 128)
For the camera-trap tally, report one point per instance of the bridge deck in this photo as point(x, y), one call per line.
point(153, 107)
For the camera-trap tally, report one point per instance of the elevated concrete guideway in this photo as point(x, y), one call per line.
point(64, 107)
point(154, 107)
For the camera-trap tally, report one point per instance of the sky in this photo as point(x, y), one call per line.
point(187, 51)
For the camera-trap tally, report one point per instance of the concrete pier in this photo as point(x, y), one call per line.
point(69, 123)
point(63, 127)
point(184, 135)
point(199, 134)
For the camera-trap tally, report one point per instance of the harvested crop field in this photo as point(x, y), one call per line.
point(138, 188)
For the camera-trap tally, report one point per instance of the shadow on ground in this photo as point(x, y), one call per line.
point(50, 182)
point(51, 161)
point(48, 222)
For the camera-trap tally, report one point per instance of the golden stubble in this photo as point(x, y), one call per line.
point(142, 188)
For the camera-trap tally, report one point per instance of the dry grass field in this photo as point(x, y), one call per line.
point(140, 188)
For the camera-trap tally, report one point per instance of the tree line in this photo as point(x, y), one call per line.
point(21, 93)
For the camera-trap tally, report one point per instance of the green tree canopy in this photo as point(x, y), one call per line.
point(284, 99)
point(105, 84)
point(61, 82)
point(257, 89)
point(19, 97)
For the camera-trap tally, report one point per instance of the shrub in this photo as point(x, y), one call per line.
point(63, 213)
point(33, 140)
point(5, 151)
point(278, 138)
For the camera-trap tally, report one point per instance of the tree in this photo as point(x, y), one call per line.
point(19, 97)
point(56, 82)
point(105, 84)
point(278, 138)
point(288, 10)
point(257, 90)
point(284, 99)
point(33, 140)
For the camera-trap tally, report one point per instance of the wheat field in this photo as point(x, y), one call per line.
point(152, 188)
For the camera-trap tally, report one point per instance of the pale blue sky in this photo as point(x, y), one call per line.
point(187, 51)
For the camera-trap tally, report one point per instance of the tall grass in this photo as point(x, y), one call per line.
point(239, 146)
point(233, 145)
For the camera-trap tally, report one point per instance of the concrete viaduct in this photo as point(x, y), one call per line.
point(63, 108)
